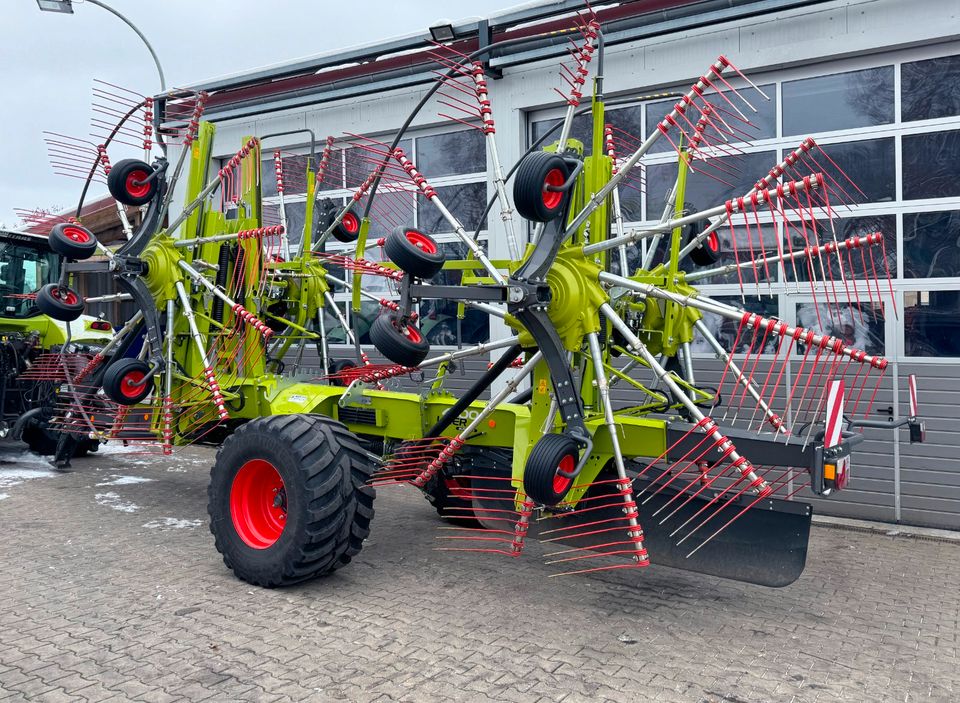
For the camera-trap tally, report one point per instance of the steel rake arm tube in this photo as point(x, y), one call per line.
point(768, 195)
point(705, 304)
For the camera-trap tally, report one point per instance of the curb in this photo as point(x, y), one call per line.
point(887, 529)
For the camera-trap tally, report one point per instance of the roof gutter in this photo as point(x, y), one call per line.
point(621, 25)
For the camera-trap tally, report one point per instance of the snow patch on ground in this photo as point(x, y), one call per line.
point(112, 500)
point(118, 480)
point(14, 477)
point(171, 523)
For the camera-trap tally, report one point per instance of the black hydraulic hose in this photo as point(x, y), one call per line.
point(522, 398)
point(482, 383)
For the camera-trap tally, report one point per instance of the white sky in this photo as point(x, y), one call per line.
point(49, 61)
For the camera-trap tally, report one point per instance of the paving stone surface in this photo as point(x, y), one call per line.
point(110, 590)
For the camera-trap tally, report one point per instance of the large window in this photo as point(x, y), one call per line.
point(896, 138)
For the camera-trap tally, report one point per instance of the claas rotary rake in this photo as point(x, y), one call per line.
point(696, 476)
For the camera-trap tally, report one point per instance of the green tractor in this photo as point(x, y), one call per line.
point(35, 345)
point(688, 474)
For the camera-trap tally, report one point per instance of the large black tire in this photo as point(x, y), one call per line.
point(536, 171)
point(414, 252)
point(72, 241)
point(127, 381)
point(541, 480)
point(406, 346)
point(487, 494)
point(348, 229)
point(59, 302)
point(127, 182)
point(323, 495)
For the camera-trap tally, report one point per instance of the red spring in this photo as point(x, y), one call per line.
point(91, 365)
point(252, 320)
point(483, 99)
point(218, 401)
point(521, 527)
point(104, 159)
point(414, 174)
point(445, 455)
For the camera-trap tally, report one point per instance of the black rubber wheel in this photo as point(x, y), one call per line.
point(127, 182)
point(536, 171)
point(348, 229)
point(72, 241)
point(414, 252)
point(708, 252)
point(127, 381)
point(60, 303)
point(289, 500)
point(337, 367)
point(541, 480)
point(402, 344)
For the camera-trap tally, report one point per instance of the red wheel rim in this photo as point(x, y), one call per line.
point(713, 241)
point(76, 234)
point(351, 223)
point(257, 504)
point(551, 199)
point(562, 483)
point(135, 185)
point(413, 334)
point(131, 385)
point(67, 296)
point(421, 241)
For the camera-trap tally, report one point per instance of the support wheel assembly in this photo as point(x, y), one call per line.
point(128, 184)
point(72, 241)
point(538, 172)
point(552, 454)
point(398, 339)
point(414, 252)
point(289, 500)
point(60, 302)
point(348, 229)
point(127, 381)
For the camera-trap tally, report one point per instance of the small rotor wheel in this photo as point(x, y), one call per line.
point(348, 229)
point(129, 182)
point(707, 253)
point(534, 189)
point(127, 381)
point(60, 302)
point(398, 340)
point(72, 241)
point(414, 252)
point(543, 481)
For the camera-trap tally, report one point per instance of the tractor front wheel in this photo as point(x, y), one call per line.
point(289, 499)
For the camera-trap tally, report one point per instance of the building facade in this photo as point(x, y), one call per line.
point(875, 82)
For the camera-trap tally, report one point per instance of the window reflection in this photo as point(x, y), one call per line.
point(440, 326)
point(839, 101)
point(466, 201)
point(931, 244)
point(858, 326)
point(626, 125)
point(869, 163)
point(861, 263)
point(728, 332)
point(452, 153)
point(763, 122)
point(931, 322)
point(930, 88)
point(931, 168)
point(740, 173)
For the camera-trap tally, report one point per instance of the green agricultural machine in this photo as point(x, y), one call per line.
point(33, 344)
point(696, 476)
